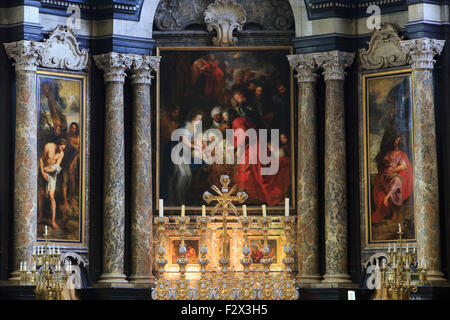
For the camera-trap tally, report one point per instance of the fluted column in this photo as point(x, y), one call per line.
point(141, 172)
point(114, 66)
point(426, 191)
point(334, 64)
point(25, 153)
point(307, 182)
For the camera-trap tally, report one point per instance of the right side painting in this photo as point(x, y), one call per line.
point(388, 155)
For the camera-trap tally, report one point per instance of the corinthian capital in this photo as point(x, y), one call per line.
point(305, 65)
point(334, 63)
point(114, 65)
point(24, 53)
point(422, 52)
point(143, 67)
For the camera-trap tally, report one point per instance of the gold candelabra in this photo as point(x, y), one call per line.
point(246, 292)
point(47, 274)
point(203, 291)
point(161, 290)
point(288, 290)
point(267, 291)
point(182, 291)
point(402, 273)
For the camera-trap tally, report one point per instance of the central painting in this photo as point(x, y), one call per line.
point(226, 89)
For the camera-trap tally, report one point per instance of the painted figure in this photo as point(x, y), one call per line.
point(50, 167)
point(394, 182)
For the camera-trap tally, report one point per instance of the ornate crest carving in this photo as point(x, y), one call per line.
point(178, 15)
point(225, 16)
point(61, 51)
point(384, 49)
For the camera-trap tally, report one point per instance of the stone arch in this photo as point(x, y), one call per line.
point(149, 8)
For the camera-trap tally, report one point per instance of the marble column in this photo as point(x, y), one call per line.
point(114, 66)
point(141, 172)
point(334, 64)
point(307, 181)
point(426, 193)
point(25, 153)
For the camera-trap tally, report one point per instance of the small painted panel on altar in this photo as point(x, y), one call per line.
point(388, 149)
point(256, 246)
point(192, 249)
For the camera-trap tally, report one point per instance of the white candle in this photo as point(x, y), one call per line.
point(244, 210)
point(182, 210)
point(45, 229)
point(414, 249)
point(161, 208)
point(59, 251)
point(389, 247)
point(203, 211)
point(395, 246)
point(21, 265)
point(286, 207)
point(407, 248)
point(264, 210)
point(34, 250)
point(34, 266)
point(399, 228)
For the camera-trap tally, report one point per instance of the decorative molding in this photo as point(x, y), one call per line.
point(305, 65)
point(225, 16)
point(384, 49)
point(143, 67)
point(61, 51)
point(95, 9)
point(350, 9)
point(24, 53)
point(114, 65)
point(334, 63)
point(262, 15)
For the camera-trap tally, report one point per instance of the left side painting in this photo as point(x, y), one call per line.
point(62, 105)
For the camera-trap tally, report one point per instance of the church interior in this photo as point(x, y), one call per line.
point(225, 150)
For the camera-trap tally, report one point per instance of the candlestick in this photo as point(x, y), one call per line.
point(161, 208)
point(182, 210)
point(244, 210)
point(264, 210)
point(286, 207)
point(203, 211)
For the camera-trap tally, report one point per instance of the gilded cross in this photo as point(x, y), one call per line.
point(225, 199)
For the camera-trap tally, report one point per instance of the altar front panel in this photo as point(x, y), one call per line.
point(213, 240)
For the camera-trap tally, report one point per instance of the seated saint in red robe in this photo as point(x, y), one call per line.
point(393, 184)
point(270, 189)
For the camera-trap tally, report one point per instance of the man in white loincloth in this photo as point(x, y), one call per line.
point(50, 167)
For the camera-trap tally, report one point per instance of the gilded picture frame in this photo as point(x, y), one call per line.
point(386, 157)
point(62, 100)
point(168, 70)
point(256, 243)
